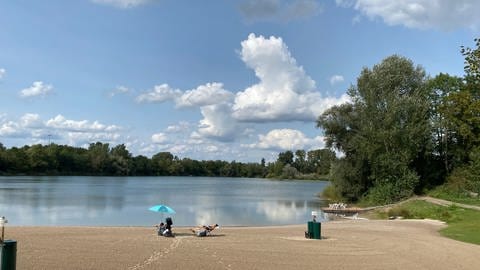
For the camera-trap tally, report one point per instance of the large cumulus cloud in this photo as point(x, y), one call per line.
point(285, 92)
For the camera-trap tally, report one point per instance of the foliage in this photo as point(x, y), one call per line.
point(102, 159)
point(314, 164)
point(454, 194)
point(442, 157)
point(472, 62)
point(464, 181)
point(381, 132)
point(289, 172)
point(330, 193)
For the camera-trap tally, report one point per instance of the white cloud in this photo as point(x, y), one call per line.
point(159, 138)
point(119, 90)
point(218, 123)
point(37, 89)
point(179, 149)
point(182, 126)
point(122, 3)
point(204, 95)
point(31, 129)
point(2, 73)
point(85, 138)
point(285, 92)
point(214, 103)
point(159, 93)
point(278, 10)
point(336, 79)
point(11, 129)
point(61, 123)
point(286, 139)
point(421, 14)
point(31, 120)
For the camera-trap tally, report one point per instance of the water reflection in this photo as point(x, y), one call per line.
point(104, 201)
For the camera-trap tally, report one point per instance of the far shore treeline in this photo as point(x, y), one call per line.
point(102, 160)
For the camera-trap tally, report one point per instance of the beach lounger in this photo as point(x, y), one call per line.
point(204, 230)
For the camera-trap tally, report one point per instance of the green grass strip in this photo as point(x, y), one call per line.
point(463, 224)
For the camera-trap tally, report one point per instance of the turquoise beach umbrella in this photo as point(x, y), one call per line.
point(162, 209)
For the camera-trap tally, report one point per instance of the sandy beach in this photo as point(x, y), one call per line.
point(346, 244)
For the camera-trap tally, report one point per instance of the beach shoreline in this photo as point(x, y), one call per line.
point(345, 244)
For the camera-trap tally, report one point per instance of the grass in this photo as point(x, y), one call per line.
point(463, 224)
point(445, 193)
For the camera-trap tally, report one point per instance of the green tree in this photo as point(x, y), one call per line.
point(99, 157)
point(381, 132)
point(285, 157)
point(120, 160)
point(472, 63)
point(300, 162)
point(443, 137)
point(319, 161)
point(162, 162)
point(3, 159)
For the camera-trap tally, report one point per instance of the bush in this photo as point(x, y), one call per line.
point(331, 193)
point(399, 212)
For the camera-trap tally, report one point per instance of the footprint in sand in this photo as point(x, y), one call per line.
point(157, 255)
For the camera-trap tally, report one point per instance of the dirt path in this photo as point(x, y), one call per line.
point(445, 202)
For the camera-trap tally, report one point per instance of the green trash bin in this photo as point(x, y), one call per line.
point(310, 229)
point(9, 255)
point(317, 230)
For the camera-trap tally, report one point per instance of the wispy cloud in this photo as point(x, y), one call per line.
point(119, 90)
point(159, 93)
point(278, 10)
point(122, 3)
point(422, 14)
point(336, 79)
point(159, 138)
point(2, 73)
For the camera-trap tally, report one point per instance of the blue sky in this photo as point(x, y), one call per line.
point(232, 80)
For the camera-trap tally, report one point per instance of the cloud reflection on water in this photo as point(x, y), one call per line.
point(107, 201)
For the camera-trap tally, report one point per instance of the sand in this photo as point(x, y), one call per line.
point(346, 244)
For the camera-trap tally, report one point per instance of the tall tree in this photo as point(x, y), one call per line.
point(440, 88)
point(300, 162)
point(381, 132)
point(99, 154)
point(319, 161)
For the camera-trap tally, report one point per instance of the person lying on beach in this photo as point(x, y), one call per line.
point(204, 230)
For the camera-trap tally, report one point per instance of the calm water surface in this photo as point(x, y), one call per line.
point(124, 201)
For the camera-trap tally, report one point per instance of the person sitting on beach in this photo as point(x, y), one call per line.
point(168, 230)
point(160, 228)
point(204, 230)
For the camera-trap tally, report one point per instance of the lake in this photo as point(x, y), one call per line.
point(124, 201)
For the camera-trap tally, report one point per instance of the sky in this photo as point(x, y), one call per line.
point(216, 79)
